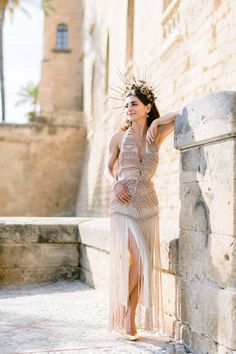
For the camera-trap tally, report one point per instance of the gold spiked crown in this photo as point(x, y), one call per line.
point(133, 86)
point(139, 85)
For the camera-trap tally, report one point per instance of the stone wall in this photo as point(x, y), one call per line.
point(38, 249)
point(206, 138)
point(194, 57)
point(199, 279)
point(40, 168)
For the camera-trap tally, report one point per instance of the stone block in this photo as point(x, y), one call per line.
point(200, 209)
point(20, 256)
point(95, 233)
point(36, 275)
point(169, 288)
point(58, 150)
point(209, 162)
point(87, 277)
point(208, 256)
point(169, 245)
point(11, 233)
point(197, 342)
point(98, 283)
point(38, 249)
point(38, 233)
point(206, 119)
point(95, 261)
point(57, 233)
point(200, 344)
point(208, 310)
point(59, 255)
point(170, 325)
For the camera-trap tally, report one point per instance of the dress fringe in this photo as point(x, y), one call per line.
point(149, 311)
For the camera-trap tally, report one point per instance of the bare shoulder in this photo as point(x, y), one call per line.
point(116, 137)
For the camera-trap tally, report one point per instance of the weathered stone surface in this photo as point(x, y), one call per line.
point(206, 119)
point(40, 168)
point(207, 243)
point(200, 209)
point(38, 249)
point(96, 262)
point(198, 343)
point(11, 276)
point(169, 286)
point(20, 256)
point(169, 234)
point(208, 256)
point(39, 229)
point(171, 325)
point(209, 162)
point(95, 233)
point(208, 310)
point(38, 233)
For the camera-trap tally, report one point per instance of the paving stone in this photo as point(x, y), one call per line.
point(67, 317)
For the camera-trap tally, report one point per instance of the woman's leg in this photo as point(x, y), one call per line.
point(134, 278)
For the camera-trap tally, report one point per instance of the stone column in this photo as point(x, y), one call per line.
point(205, 136)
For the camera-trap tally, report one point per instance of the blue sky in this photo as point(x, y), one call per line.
point(23, 50)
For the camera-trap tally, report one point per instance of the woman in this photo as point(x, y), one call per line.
point(135, 274)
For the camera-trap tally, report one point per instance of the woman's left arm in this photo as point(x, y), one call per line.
point(161, 128)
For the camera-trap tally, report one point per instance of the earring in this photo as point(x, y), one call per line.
point(147, 115)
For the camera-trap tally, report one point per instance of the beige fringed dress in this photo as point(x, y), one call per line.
point(140, 218)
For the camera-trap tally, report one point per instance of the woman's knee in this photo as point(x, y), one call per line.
point(131, 261)
point(134, 260)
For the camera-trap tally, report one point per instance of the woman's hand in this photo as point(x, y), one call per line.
point(122, 193)
point(152, 131)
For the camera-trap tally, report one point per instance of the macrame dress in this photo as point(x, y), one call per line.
point(141, 218)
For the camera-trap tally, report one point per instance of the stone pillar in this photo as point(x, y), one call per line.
point(205, 136)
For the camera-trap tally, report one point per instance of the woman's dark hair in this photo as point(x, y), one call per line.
point(152, 115)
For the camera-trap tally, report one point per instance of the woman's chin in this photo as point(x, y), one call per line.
point(131, 118)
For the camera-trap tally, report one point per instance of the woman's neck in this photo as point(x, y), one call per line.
point(139, 128)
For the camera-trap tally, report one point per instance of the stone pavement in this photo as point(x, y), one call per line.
point(66, 317)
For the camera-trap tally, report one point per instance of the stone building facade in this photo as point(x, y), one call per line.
point(187, 48)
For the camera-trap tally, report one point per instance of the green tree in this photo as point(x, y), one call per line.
point(29, 94)
point(11, 6)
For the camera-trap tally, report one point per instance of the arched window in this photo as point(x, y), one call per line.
point(130, 30)
point(107, 65)
point(62, 36)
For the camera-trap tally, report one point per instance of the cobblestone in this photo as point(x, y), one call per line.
point(66, 317)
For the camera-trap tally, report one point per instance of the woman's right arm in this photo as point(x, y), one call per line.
point(113, 155)
point(120, 190)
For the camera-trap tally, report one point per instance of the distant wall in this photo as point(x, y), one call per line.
point(38, 249)
point(40, 167)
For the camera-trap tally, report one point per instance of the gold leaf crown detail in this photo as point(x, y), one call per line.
point(142, 86)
